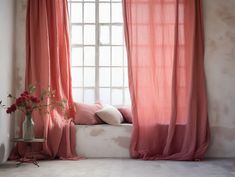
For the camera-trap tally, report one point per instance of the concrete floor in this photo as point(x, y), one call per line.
point(121, 168)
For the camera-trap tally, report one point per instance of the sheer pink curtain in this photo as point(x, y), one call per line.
point(165, 46)
point(48, 64)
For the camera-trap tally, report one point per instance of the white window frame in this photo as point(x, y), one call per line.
point(97, 46)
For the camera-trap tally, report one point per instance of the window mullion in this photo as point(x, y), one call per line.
point(97, 31)
point(83, 73)
point(111, 50)
point(123, 75)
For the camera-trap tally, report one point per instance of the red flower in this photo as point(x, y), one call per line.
point(34, 99)
point(28, 108)
point(8, 111)
point(11, 109)
point(27, 103)
point(23, 98)
point(24, 94)
point(18, 101)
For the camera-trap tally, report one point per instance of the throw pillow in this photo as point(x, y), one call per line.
point(85, 114)
point(110, 115)
point(126, 113)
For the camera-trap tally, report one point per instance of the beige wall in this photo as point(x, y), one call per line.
point(7, 21)
point(21, 6)
point(219, 65)
point(220, 72)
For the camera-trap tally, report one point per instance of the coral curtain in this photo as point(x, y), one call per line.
point(165, 47)
point(48, 64)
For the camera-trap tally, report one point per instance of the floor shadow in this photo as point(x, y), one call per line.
point(2, 153)
point(8, 165)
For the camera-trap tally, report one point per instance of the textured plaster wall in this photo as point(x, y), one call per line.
point(7, 48)
point(21, 6)
point(219, 16)
point(220, 72)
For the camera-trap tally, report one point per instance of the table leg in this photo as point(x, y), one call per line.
point(25, 160)
point(36, 163)
point(18, 164)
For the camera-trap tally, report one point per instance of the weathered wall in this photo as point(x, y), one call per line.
point(219, 16)
point(7, 21)
point(220, 72)
point(21, 6)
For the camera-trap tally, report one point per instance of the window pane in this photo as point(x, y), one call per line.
point(105, 95)
point(117, 12)
point(89, 56)
point(77, 76)
point(76, 34)
point(104, 77)
point(69, 8)
point(77, 56)
point(117, 96)
point(104, 34)
point(89, 76)
point(117, 77)
point(127, 97)
point(89, 12)
point(77, 94)
point(89, 96)
point(125, 77)
point(117, 35)
point(125, 57)
point(104, 12)
point(104, 58)
point(76, 12)
point(112, 66)
point(117, 56)
point(89, 34)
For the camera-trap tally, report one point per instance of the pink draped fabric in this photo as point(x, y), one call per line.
point(48, 64)
point(165, 46)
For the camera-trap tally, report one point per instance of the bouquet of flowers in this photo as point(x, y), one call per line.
point(27, 102)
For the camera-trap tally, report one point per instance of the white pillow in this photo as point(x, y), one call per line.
point(110, 115)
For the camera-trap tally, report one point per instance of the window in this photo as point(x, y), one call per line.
point(99, 62)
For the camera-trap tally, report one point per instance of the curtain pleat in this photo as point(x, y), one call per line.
point(165, 48)
point(48, 65)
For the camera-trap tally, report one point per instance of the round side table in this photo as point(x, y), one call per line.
point(29, 143)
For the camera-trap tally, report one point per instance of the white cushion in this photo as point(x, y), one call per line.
point(110, 115)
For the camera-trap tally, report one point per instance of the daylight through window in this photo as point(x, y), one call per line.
point(98, 55)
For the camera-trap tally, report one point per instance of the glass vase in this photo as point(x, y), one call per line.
point(28, 127)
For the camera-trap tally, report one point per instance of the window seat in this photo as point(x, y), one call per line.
point(103, 140)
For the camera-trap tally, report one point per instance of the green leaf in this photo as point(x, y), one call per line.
point(32, 88)
point(43, 94)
